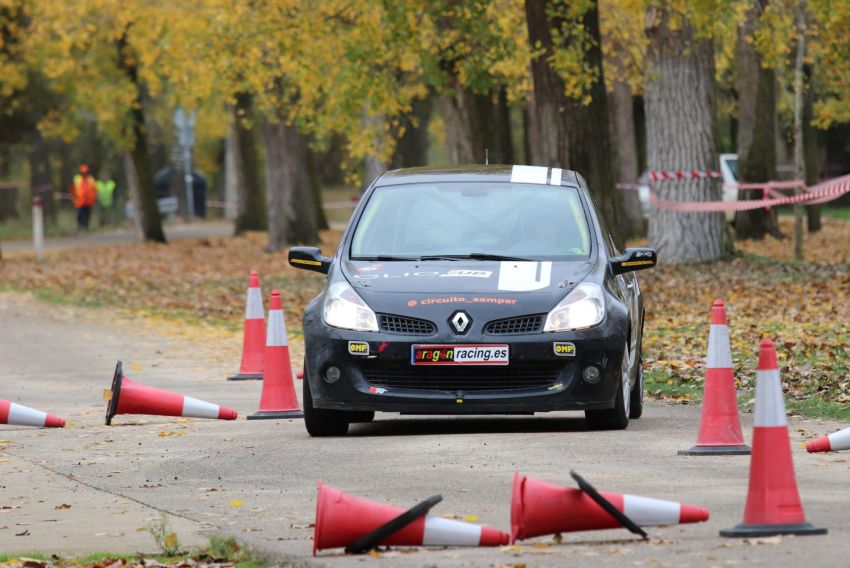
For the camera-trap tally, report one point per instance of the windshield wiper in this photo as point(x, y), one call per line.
point(390, 257)
point(475, 256)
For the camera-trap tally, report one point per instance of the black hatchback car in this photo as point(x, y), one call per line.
point(474, 290)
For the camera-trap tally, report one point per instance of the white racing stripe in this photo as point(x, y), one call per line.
point(448, 532)
point(254, 305)
point(199, 408)
point(646, 512)
point(719, 352)
point(276, 332)
point(556, 176)
point(770, 406)
point(529, 174)
point(524, 276)
point(25, 416)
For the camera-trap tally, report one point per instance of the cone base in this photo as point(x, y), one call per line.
point(112, 405)
point(246, 377)
point(745, 531)
point(716, 451)
point(276, 415)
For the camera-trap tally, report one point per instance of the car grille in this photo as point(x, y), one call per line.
point(404, 325)
point(512, 326)
point(467, 378)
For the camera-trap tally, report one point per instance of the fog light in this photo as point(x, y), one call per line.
point(591, 374)
point(332, 374)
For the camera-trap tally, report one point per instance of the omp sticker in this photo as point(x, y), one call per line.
point(524, 276)
point(564, 349)
point(358, 348)
point(529, 174)
point(467, 274)
point(556, 176)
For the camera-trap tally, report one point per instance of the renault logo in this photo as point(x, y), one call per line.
point(460, 322)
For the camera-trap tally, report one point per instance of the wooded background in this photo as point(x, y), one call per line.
point(298, 96)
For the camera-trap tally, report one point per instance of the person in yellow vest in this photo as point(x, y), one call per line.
point(105, 193)
point(84, 191)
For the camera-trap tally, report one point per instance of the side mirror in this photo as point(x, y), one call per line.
point(309, 258)
point(634, 259)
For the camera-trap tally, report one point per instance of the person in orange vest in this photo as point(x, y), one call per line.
point(84, 191)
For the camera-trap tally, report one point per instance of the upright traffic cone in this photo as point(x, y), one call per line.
point(773, 503)
point(254, 336)
point(539, 508)
point(129, 397)
point(278, 399)
point(342, 519)
point(830, 443)
point(720, 428)
point(20, 415)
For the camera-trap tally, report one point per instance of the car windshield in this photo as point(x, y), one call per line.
point(472, 220)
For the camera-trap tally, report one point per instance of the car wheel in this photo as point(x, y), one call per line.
point(616, 418)
point(321, 423)
point(361, 416)
point(636, 403)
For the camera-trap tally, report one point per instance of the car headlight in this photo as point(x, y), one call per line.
point(345, 309)
point(583, 307)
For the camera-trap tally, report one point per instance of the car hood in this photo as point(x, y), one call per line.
point(523, 287)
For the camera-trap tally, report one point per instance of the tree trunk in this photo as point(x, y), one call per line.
point(147, 210)
point(250, 209)
point(679, 101)
point(578, 135)
point(291, 208)
point(469, 122)
point(756, 128)
point(504, 152)
point(41, 176)
point(546, 134)
point(316, 191)
point(230, 173)
point(622, 130)
point(412, 148)
point(133, 194)
point(813, 153)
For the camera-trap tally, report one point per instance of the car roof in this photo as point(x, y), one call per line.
point(473, 172)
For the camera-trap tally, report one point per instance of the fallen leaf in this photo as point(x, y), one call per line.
point(236, 503)
point(62, 506)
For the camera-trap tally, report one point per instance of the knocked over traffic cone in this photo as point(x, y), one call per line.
point(830, 443)
point(20, 415)
point(129, 397)
point(343, 520)
point(720, 428)
point(539, 508)
point(278, 399)
point(773, 503)
point(254, 337)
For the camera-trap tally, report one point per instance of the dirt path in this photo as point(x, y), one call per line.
point(257, 480)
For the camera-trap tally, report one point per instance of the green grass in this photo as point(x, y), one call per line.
point(660, 384)
point(827, 212)
point(219, 548)
point(66, 225)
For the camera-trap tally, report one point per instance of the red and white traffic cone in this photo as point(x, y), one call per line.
point(278, 399)
point(773, 503)
point(254, 336)
point(539, 508)
point(720, 427)
point(342, 519)
point(130, 397)
point(831, 443)
point(20, 415)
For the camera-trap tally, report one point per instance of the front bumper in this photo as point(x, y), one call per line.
point(536, 379)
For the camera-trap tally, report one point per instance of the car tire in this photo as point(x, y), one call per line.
point(636, 404)
point(616, 418)
point(360, 416)
point(322, 423)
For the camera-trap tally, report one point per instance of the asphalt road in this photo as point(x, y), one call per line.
point(257, 479)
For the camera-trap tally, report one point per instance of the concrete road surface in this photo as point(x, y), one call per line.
point(257, 480)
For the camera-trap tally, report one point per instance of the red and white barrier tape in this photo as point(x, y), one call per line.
point(681, 174)
point(820, 193)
